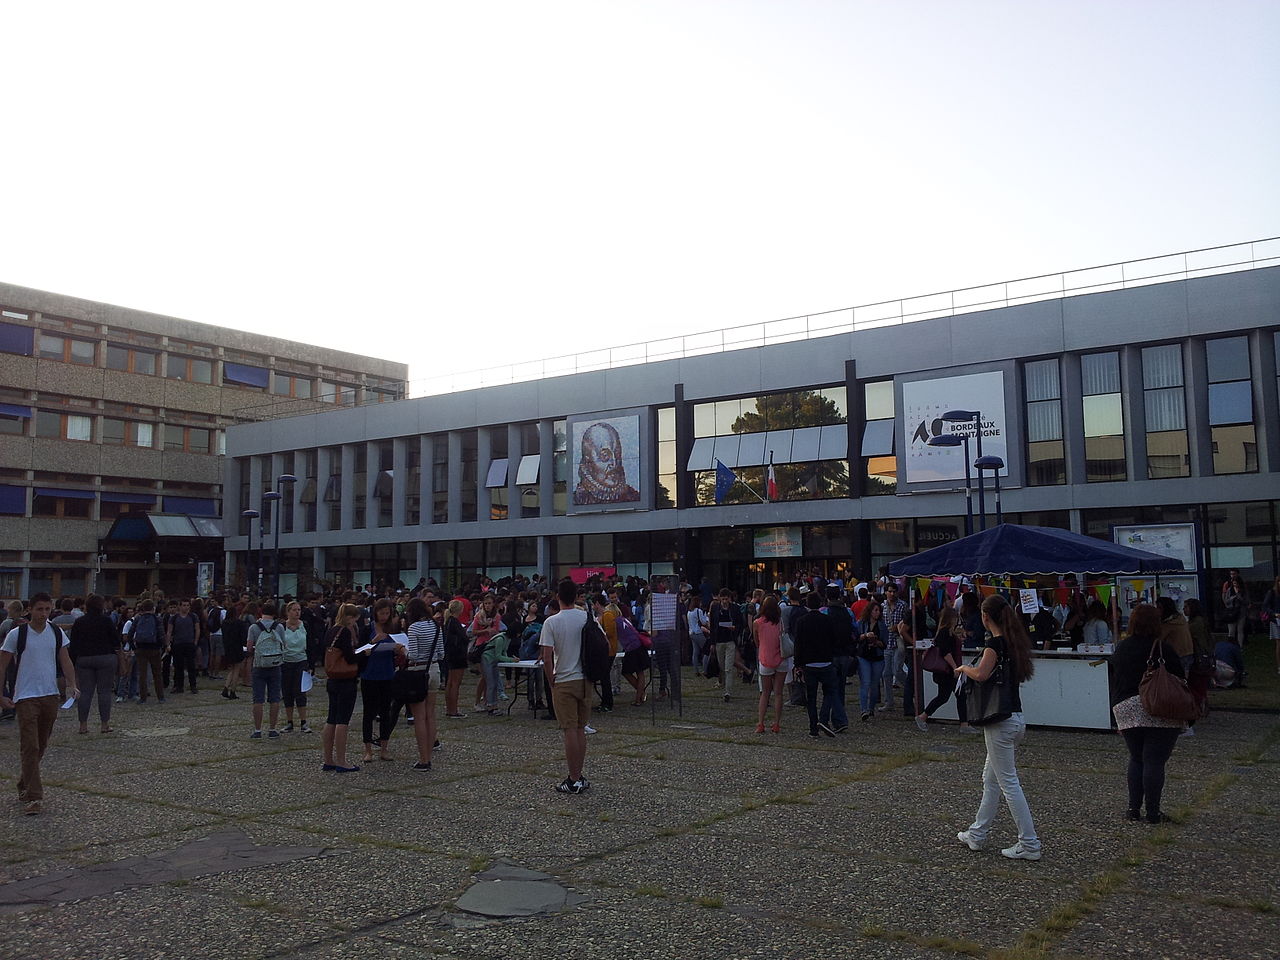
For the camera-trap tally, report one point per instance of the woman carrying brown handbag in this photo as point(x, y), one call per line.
point(1150, 739)
point(342, 666)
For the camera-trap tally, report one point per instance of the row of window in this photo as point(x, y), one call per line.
point(130, 358)
point(60, 425)
point(54, 502)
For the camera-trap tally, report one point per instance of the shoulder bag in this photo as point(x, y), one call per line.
point(336, 666)
point(1164, 695)
point(991, 700)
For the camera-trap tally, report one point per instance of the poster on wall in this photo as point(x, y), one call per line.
point(778, 542)
point(1176, 540)
point(204, 579)
point(605, 454)
point(923, 404)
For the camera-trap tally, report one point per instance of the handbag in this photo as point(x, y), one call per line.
point(991, 700)
point(1164, 695)
point(336, 666)
point(786, 644)
point(935, 661)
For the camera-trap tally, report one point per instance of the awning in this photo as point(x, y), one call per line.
point(527, 472)
point(197, 506)
point(16, 339)
point(333, 489)
point(385, 484)
point(141, 498)
point(68, 494)
point(497, 475)
point(16, 411)
point(308, 494)
point(245, 375)
point(13, 500)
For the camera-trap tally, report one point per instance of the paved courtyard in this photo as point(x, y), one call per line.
point(176, 836)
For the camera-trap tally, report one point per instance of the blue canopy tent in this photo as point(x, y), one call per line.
point(1013, 550)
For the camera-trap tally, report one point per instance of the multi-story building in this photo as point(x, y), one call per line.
point(1142, 393)
point(112, 430)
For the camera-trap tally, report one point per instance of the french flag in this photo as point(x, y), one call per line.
point(771, 485)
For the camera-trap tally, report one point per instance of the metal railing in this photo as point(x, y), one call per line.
point(1229, 258)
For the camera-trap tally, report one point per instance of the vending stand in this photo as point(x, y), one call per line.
point(1070, 686)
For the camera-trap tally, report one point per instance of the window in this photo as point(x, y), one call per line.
point(560, 468)
point(528, 470)
point(287, 385)
point(14, 417)
point(1231, 426)
point(776, 411)
point(13, 500)
point(15, 338)
point(307, 496)
point(63, 426)
point(359, 485)
point(440, 478)
point(186, 439)
point(67, 349)
point(52, 502)
point(1162, 396)
point(470, 454)
point(1103, 400)
point(1046, 456)
point(384, 483)
point(667, 476)
point(191, 369)
point(879, 463)
point(128, 433)
point(413, 481)
point(496, 473)
point(343, 394)
point(130, 360)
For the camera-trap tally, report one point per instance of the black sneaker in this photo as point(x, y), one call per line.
point(814, 734)
point(580, 786)
point(288, 727)
point(826, 730)
point(842, 729)
point(565, 786)
point(226, 694)
point(1133, 814)
point(421, 766)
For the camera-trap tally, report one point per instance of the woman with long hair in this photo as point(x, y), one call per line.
point(342, 692)
point(1150, 739)
point(873, 639)
point(413, 684)
point(947, 640)
point(377, 679)
point(766, 631)
point(1007, 653)
point(455, 655)
point(483, 626)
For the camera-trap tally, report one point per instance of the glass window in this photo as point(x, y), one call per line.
point(1231, 402)
point(113, 431)
point(1227, 359)
point(82, 351)
point(117, 357)
point(1046, 452)
point(1044, 420)
point(1162, 366)
point(1103, 416)
point(704, 420)
point(879, 400)
point(1042, 380)
point(1165, 404)
point(1235, 446)
point(1165, 409)
point(1100, 373)
point(50, 347)
point(1104, 443)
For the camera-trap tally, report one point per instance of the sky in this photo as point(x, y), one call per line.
point(468, 185)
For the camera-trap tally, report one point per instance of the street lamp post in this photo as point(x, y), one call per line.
point(953, 440)
point(995, 465)
point(251, 515)
point(974, 416)
point(270, 512)
point(285, 479)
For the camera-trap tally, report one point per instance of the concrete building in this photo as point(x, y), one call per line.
point(112, 430)
point(1135, 394)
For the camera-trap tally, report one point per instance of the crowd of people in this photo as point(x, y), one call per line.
point(394, 649)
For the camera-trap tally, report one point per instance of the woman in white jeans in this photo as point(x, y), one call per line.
point(1008, 646)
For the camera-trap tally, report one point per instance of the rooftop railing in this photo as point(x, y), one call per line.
point(1230, 258)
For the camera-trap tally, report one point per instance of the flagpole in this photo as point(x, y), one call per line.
point(751, 488)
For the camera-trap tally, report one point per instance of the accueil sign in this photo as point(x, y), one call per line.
point(923, 404)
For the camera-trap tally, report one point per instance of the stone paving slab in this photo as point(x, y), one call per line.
point(1130, 925)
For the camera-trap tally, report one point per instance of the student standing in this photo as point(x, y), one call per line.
point(1009, 648)
point(342, 692)
point(561, 642)
point(294, 665)
point(95, 650)
point(38, 648)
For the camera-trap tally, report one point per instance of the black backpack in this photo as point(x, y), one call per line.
point(215, 619)
point(21, 646)
point(596, 662)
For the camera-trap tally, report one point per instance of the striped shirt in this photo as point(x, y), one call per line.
point(426, 642)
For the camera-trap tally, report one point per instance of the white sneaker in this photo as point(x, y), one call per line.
point(1020, 852)
point(965, 837)
point(588, 729)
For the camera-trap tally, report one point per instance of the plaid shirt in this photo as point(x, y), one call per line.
point(894, 614)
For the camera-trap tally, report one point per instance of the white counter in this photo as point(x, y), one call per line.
point(1067, 689)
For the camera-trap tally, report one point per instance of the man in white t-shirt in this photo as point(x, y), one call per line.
point(561, 641)
point(35, 692)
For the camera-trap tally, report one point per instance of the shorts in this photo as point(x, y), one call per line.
point(266, 684)
point(411, 686)
point(342, 700)
point(783, 667)
point(215, 644)
point(572, 702)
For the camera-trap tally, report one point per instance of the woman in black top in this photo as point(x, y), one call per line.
point(947, 640)
point(342, 692)
point(1150, 739)
point(95, 650)
point(456, 642)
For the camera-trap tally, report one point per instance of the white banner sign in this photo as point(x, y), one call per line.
point(923, 404)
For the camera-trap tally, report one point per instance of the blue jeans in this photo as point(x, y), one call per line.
point(844, 669)
point(889, 673)
point(826, 678)
point(869, 674)
point(493, 687)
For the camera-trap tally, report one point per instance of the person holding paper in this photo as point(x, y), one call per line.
point(424, 648)
point(376, 680)
point(39, 648)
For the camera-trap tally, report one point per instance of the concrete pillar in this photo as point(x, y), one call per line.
point(424, 558)
point(455, 476)
point(399, 478)
point(1135, 412)
point(544, 557)
point(484, 454)
point(1266, 398)
point(513, 465)
point(1196, 393)
point(1072, 418)
point(348, 472)
point(546, 472)
point(371, 462)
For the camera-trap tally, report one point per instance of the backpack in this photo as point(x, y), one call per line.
point(596, 662)
point(530, 642)
point(146, 630)
point(268, 646)
point(215, 619)
point(21, 647)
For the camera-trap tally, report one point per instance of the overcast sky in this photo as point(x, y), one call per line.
point(469, 184)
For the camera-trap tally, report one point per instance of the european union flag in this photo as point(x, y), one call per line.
point(725, 479)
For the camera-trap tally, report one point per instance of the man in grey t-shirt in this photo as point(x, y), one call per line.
point(561, 642)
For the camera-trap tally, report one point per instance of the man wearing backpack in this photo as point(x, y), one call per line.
point(38, 648)
point(144, 633)
point(266, 649)
point(181, 635)
point(562, 662)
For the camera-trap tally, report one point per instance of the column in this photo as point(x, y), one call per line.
point(348, 472)
point(371, 464)
point(1266, 402)
point(855, 417)
point(1072, 403)
point(1135, 412)
point(277, 508)
point(544, 559)
point(424, 558)
point(1196, 394)
point(325, 468)
point(514, 453)
point(455, 476)
point(399, 478)
point(426, 478)
point(484, 453)
point(546, 474)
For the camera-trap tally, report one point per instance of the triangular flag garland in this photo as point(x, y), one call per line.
point(1104, 594)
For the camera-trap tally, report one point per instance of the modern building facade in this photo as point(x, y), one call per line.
point(112, 430)
point(1153, 403)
